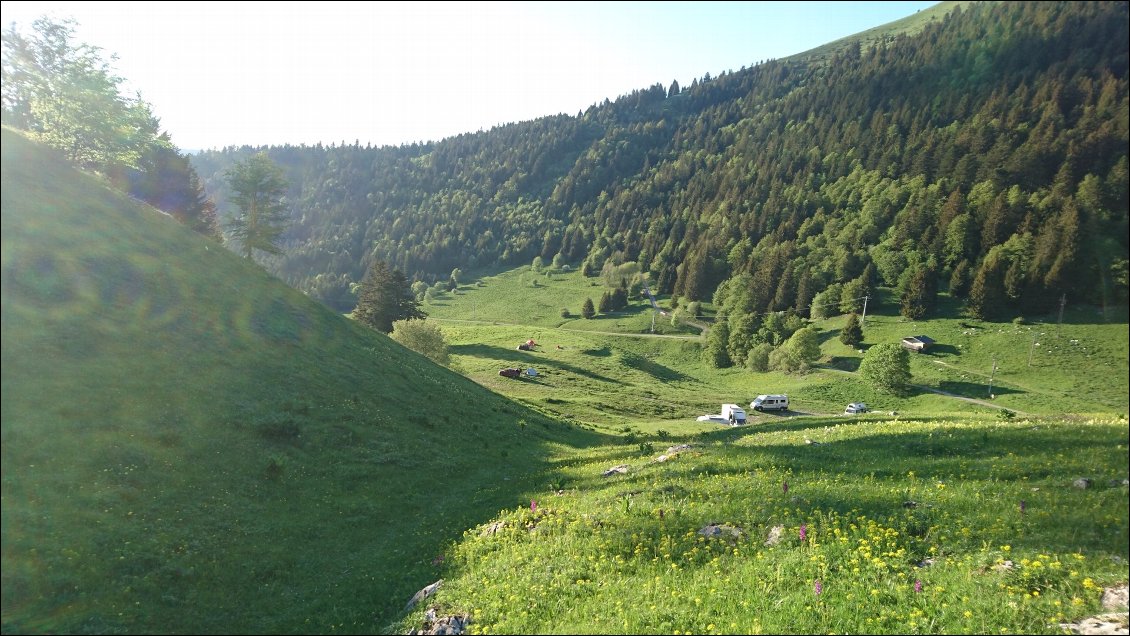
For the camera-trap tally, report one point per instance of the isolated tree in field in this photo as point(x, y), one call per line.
point(587, 309)
point(258, 188)
point(852, 333)
point(384, 298)
point(886, 367)
point(423, 337)
point(457, 276)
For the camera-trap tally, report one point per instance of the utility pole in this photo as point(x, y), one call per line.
point(863, 321)
point(993, 375)
point(1032, 349)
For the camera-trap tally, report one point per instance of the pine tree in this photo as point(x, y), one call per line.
point(166, 180)
point(587, 310)
point(258, 188)
point(605, 303)
point(852, 333)
point(986, 294)
point(919, 295)
point(959, 280)
point(384, 298)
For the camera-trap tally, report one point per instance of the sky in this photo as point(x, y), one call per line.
point(389, 73)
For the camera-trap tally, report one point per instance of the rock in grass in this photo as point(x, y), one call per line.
point(434, 624)
point(616, 470)
point(423, 594)
point(1115, 598)
point(720, 530)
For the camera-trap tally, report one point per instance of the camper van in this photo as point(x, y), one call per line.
point(770, 403)
point(733, 413)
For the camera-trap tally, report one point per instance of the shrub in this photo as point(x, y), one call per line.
point(886, 367)
point(422, 337)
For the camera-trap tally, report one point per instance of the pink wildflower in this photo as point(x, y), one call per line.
point(818, 587)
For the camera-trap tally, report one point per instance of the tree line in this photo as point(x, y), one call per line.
point(983, 157)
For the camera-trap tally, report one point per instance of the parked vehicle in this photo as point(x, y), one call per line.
point(733, 413)
point(770, 403)
point(717, 419)
point(512, 372)
point(855, 408)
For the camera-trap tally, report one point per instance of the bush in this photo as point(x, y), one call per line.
point(886, 367)
point(758, 359)
point(422, 337)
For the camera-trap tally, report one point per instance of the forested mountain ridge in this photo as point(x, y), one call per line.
point(986, 154)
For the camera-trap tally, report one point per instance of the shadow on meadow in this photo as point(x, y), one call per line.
point(535, 359)
point(941, 350)
point(951, 488)
point(845, 363)
point(974, 390)
point(654, 369)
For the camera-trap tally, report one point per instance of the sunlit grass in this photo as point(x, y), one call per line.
point(190, 446)
point(909, 527)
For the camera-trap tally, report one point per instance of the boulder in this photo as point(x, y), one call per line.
point(423, 594)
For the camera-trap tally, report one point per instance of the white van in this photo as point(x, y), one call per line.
point(733, 413)
point(770, 403)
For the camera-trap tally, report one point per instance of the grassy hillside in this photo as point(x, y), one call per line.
point(610, 371)
point(191, 446)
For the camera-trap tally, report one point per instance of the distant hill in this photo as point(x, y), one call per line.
point(977, 147)
point(191, 446)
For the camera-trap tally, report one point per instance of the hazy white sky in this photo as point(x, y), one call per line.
point(388, 73)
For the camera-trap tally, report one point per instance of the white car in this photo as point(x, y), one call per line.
point(716, 419)
point(855, 408)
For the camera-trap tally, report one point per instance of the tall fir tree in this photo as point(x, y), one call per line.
point(852, 333)
point(258, 187)
point(587, 309)
point(385, 297)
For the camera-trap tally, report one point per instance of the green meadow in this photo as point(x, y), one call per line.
point(191, 446)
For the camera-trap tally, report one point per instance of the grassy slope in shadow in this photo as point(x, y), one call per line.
point(191, 446)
